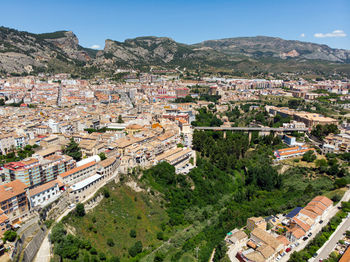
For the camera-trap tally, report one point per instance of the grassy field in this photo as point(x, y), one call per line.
point(115, 216)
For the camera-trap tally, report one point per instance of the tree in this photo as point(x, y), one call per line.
point(73, 150)
point(80, 210)
point(10, 235)
point(110, 242)
point(220, 251)
point(120, 119)
point(135, 249)
point(309, 156)
point(132, 233)
point(102, 156)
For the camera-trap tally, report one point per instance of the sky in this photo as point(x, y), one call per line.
point(192, 21)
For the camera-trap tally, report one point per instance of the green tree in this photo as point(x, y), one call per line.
point(10, 235)
point(80, 210)
point(132, 233)
point(73, 150)
point(135, 249)
point(120, 119)
point(102, 155)
point(309, 156)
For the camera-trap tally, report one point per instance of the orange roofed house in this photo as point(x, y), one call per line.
point(13, 200)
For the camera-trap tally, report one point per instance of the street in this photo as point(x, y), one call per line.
point(331, 243)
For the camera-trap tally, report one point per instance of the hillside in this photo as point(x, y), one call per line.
point(263, 46)
point(23, 52)
point(31, 53)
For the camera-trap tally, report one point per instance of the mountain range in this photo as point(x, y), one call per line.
point(23, 52)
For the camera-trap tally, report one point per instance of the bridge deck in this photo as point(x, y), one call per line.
point(262, 129)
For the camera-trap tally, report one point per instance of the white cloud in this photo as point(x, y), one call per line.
point(335, 33)
point(302, 35)
point(95, 47)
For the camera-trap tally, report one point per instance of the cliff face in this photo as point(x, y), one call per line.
point(60, 51)
point(26, 52)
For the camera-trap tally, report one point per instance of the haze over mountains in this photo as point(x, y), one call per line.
point(23, 52)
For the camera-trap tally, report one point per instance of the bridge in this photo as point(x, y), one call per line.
point(251, 129)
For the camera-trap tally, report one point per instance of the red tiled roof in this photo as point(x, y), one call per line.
point(77, 169)
point(11, 189)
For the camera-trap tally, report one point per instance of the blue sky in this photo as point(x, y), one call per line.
point(191, 21)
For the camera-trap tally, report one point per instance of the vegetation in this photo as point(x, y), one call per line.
point(73, 150)
point(10, 235)
point(321, 131)
point(206, 118)
point(17, 154)
point(102, 155)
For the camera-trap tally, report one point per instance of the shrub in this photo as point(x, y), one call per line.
point(10, 235)
point(160, 235)
point(80, 210)
point(135, 249)
point(110, 242)
point(132, 233)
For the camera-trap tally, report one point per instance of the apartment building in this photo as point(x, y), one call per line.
point(78, 173)
point(4, 222)
point(45, 194)
point(13, 200)
point(38, 170)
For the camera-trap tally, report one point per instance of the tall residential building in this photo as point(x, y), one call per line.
point(13, 200)
point(38, 170)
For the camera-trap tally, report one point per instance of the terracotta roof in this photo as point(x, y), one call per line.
point(11, 189)
point(266, 251)
point(43, 187)
point(266, 237)
point(346, 256)
point(107, 162)
point(77, 169)
point(295, 152)
point(324, 200)
point(3, 218)
point(309, 213)
point(288, 149)
point(283, 239)
point(301, 224)
point(297, 232)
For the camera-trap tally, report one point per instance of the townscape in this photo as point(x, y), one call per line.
point(175, 131)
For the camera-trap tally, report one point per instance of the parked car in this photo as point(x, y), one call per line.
point(305, 238)
point(321, 221)
point(288, 249)
point(315, 255)
point(310, 234)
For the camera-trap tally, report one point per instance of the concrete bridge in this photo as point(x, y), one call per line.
point(250, 129)
point(261, 130)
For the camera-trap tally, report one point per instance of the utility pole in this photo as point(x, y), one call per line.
point(197, 249)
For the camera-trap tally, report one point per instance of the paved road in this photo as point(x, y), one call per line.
point(327, 249)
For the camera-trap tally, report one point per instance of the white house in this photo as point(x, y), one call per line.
point(45, 194)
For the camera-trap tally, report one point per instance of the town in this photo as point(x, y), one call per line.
point(62, 139)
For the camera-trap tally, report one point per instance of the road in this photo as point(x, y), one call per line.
point(331, 243)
